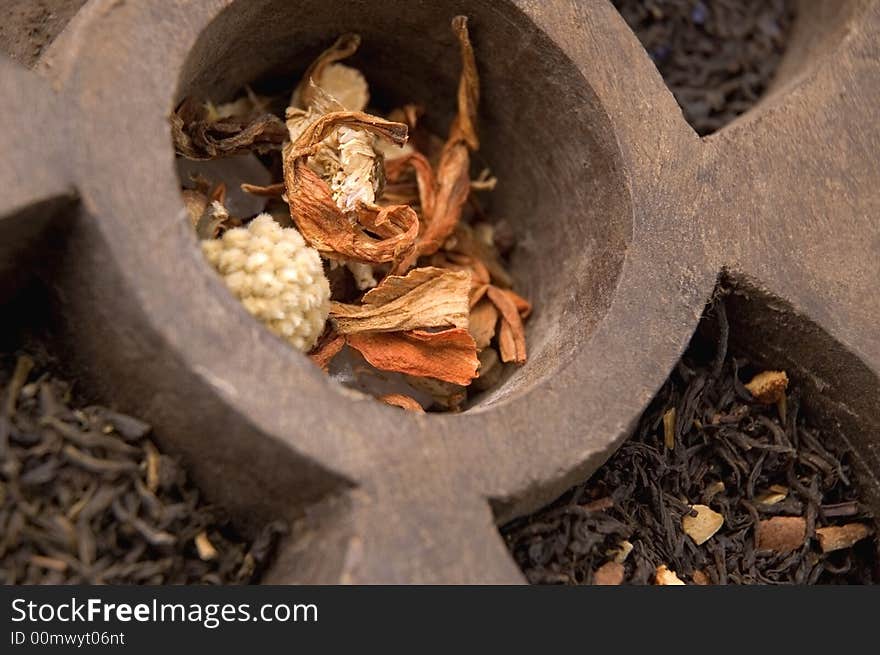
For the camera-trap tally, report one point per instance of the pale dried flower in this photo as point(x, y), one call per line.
point(277, 277)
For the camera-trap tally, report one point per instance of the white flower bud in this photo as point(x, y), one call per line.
point(277, 277)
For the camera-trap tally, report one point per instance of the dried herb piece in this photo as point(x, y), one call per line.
point(197, 136)
point(482, 322)
point(609, 574)
point(423, 298)
point(450, 355)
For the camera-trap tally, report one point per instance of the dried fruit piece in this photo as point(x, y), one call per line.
point(700, 578)
point(204, 547)
point(450, 355)
point(423, 298)
point(775, 494)
point(782, 534)
point(838, 537)
point(701, 527)
point(609, 574)
point(665, 576)
point(768, 387)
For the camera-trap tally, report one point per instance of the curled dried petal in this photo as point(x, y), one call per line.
point(450, 355)
point(345, 46)
point(482, 322)
point(424, 298)
point(402, 401)
point(511, 335)
point(322, 223)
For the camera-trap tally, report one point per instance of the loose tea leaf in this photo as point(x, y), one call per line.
point(775, 483)
point(86, 498)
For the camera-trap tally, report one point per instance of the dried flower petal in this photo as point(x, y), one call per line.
point(423, 298)
point(451, 186)
point(345, 46)
point(329, 345)
point(511, 335)
point(450, 355)
point(483, 319)
point(402, 401)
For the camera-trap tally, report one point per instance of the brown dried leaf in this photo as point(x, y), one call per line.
point(838, 537)
point(322, 223)
point(402, 401)
point(197, 137)
point(782, 534)
point(511, 335)
point(423, 298)
point(483, 319)
point(450, 355)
